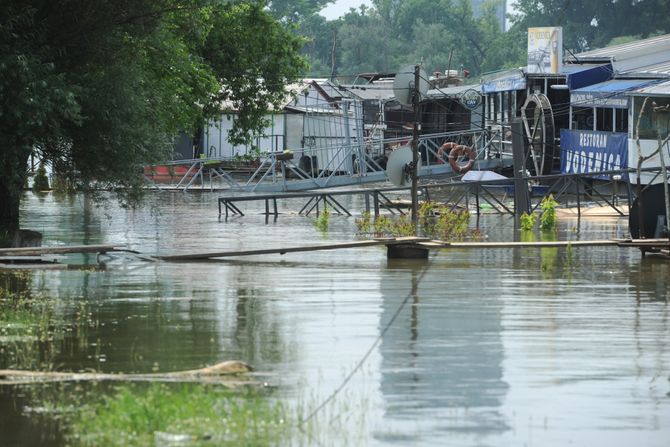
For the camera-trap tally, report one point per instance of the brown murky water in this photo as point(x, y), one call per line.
point(535, 347)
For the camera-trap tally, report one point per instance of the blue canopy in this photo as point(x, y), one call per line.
point(609, 94)
point(578, 76)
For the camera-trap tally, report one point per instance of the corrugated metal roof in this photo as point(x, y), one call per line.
point(330, 89)
point(642, 56)
point(628, 49)
point(660, 89)
point(291, 91)
point(661, 69)
point(370, 91)
point(452, 92)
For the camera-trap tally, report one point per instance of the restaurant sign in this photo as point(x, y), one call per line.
point(586, 151)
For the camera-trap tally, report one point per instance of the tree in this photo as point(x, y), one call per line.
point(296, 11)
point(589, 25)
point(99, 89)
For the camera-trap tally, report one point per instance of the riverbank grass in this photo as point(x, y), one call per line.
point(192, 414)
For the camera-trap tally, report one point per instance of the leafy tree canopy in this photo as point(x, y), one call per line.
point(593, 24)
point(99, 89)
point(393, 33)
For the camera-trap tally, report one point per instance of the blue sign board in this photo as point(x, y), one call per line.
point(584, 151)
point(513, 82)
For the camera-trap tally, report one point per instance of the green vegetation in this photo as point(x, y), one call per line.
point(27, 331)
point(159, 414)
point(528, 221)
point(548, 217)
point(323, 220)
point(364, 224)
point(438, 220)
point(108, 96)
point(451, 34)
point(590, 25)
point(435, 220)
point(381, 224)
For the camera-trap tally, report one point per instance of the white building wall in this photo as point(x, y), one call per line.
point(217, 144)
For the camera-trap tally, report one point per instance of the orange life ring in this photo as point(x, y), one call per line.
point(460, 151)
point(445, 149)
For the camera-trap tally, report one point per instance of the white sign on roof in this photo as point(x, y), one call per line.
point(545, 50)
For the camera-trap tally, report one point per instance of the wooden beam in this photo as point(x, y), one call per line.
point(58, 249)
point(538, 244)
point(281, 251)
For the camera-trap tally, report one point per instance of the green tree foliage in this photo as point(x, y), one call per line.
point(99, 89)
point(590, 25)
point(394, 33)
point(296, 11)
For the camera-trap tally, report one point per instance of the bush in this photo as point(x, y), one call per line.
point(548, 218)
point(528, 221)
point(323, 220)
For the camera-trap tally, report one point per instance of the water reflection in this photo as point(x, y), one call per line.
point(442, 356)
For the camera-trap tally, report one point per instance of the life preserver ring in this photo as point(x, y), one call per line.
point(445, 149)
point(460, 151)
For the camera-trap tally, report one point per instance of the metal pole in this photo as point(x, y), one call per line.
point(521, 196)
point(664, 170)
point(347, 135)
point(415, 147)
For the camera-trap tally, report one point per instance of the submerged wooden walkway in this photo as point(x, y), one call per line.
point(411, 242)
point(425, 243)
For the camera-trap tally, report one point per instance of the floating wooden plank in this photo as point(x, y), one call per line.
point(536, 244)
point(29, 259)
point(281, 251)
point(644, 243)
point(40, 266)
point(58, 249)
point(218, 372)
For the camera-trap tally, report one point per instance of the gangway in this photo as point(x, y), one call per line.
point(351, 165)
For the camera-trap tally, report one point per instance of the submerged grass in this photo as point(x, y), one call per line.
point(28, 331)
point(159, 413)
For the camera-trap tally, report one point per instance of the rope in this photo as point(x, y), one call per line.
point(360, 363)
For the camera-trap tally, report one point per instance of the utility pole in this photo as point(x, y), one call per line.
point(416, 98)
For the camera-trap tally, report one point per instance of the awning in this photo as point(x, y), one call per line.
point(609, 94)
point(578, 76)
point(504, 82)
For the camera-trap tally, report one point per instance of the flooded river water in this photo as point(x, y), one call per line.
point(499, 347)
